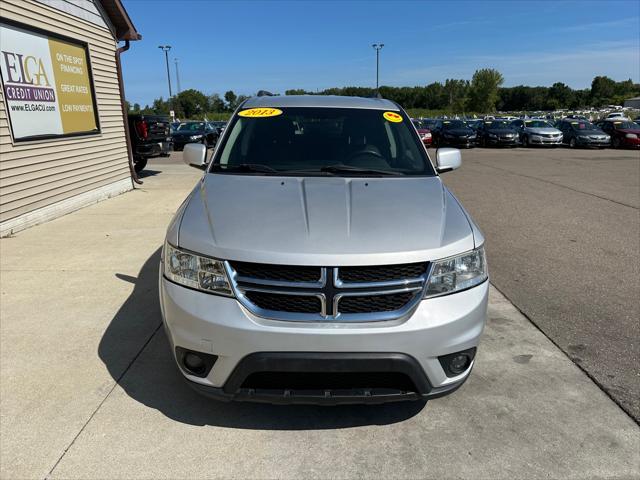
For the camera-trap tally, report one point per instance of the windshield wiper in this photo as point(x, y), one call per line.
point(357, 170)
point(245, 167)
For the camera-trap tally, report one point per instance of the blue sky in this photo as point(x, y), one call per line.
point(248, 46)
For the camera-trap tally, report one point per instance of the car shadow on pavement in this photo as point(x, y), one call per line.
point(148, 173)
point(136, 352)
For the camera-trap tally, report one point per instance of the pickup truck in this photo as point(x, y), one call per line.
point(150, 137)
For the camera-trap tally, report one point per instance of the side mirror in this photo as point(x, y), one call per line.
point(195, 155)
point(448, 159)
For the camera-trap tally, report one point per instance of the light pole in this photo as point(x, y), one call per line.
point(165, 49)
point(177, 75)
point(377, 47)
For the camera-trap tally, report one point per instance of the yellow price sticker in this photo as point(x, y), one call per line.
point(392, 117)
point(260, 112)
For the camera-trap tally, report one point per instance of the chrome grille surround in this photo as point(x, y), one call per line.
point(330, 289)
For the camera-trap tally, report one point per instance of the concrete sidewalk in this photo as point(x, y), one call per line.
point(89, 390)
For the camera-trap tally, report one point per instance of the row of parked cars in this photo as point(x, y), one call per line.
point(617, 132)
point(155, 135)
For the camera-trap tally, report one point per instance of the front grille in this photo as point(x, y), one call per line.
point(381, 273)
point(342, 294)
point(285, 303)
point(374, 303)
point(281, 273)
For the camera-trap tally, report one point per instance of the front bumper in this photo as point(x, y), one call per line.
point(537, 140)
point(589, 142)
point(630, 142)
point(507, 142)
point(459, 142)
point(154, 149)
point(221, 326)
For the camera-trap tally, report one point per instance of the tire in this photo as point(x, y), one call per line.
point(616, 143)
point(572, 143)
point(525, 141)
point(139, 164)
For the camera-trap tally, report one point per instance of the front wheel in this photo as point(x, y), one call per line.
point(139, 164)
point(525, 141)
point(616, 143)
point(572, 143)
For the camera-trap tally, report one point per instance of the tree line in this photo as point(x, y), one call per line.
point(484, 93)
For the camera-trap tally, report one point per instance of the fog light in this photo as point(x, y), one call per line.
point(193, 362)
point(459, 363)
point(197, 364)
point(456, 363)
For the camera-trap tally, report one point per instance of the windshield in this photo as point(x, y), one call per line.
point(580, 125)
point(537, 124)
point(322, 141)
point(626, 125)
point(499, 124)
point(449, 124)
point(191, 127)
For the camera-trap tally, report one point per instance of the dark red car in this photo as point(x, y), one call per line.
point(624, 133)
point(424, 132)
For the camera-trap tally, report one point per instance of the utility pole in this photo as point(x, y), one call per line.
point(377, 47)
point(165, 49)
point(177, 75)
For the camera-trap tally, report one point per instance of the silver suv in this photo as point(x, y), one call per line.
point(320, 259)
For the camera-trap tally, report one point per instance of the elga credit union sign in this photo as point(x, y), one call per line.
point(47, 84)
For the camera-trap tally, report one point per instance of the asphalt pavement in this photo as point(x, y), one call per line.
point(563, 244)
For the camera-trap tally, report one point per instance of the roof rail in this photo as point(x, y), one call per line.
point(264, 93)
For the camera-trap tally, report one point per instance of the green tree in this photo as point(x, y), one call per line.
point(216, 104)
point(602, 89)
point(561, 95)
point(191, 103)
point(483, 91)
point(231, 99)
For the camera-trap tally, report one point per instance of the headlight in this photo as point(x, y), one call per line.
point(195, 271)
point(491, 135)
point(195, 137)
point(631, 135)
point(457, 273)
point(472, 136)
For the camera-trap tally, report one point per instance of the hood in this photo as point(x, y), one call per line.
point(188, 134)
point(629, 130)
point(589, 132)
point(459, 132)
point(501, 131)
point(328, 221)
point(542, 130)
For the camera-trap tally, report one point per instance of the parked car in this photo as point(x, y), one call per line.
point(454, 133)
point(581, 133)
point(150, 137)
point(423, 132)
point(623, 133)
point(194, 132)
point(617, 116)
point(497, 133)
point(274, 288)
point(537, 132)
